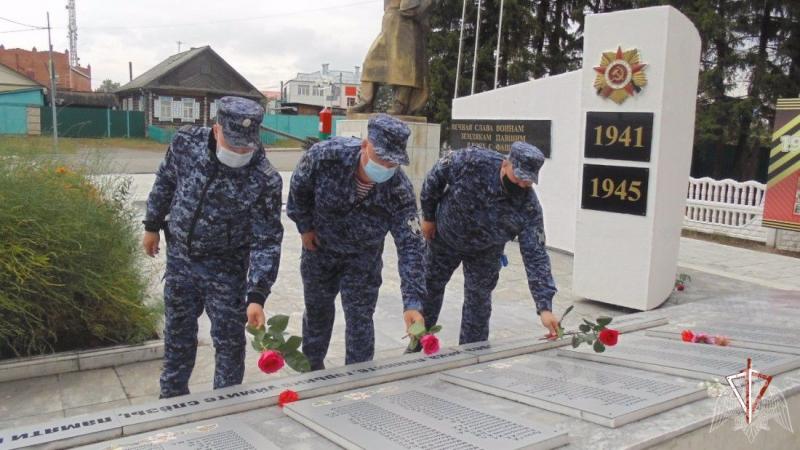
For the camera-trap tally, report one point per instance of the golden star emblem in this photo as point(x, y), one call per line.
point(620, 75)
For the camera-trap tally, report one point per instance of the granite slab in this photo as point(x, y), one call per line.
point(606, 395)
point(741, 334)
point(685, 359)
point(219, 434)
point(393, 417)
point(164, 413)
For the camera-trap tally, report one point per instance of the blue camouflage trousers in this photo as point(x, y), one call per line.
point(358, 278)
point(216, 284)
point(481, 271)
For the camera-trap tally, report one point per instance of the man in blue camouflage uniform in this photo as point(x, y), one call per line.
point(473, 202)
point(346, 194)
point(224, 232)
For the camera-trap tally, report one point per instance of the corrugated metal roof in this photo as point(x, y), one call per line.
point(347, 77)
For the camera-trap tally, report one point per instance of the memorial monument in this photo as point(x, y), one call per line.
point(648, 391)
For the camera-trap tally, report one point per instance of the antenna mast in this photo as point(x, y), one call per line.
point(73, 34)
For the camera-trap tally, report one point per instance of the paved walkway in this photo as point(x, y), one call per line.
point(716, 270)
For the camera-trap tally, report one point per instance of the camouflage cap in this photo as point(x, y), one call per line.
point(389, 136)
point(526, 161)
point(241, 121)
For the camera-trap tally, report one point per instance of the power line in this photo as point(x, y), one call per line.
point(23, 24)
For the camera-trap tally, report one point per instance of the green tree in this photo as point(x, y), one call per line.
point(107, 86)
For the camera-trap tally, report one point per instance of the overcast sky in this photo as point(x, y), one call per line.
point(266, 41)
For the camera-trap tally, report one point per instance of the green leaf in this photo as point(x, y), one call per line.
point(291, 344)
point(604, 321)
point(575, 341)
point(591, 324)
point(253, 330)
point(276, 336)
point(584, 328)
point(599, 347)
point(416, 329)
point(278, 323)
point(435, 329)
point(257, 345)
point(271, 344)
point(297, 361)
point(567, 311)
point(559, 332)
point(413, 343)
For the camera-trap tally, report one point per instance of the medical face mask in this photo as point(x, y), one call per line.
point(377, 172)
point(513, 188)
point(233, 159)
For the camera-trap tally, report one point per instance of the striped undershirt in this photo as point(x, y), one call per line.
point(362, 189)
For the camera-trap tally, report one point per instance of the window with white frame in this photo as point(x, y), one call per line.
point(302, 89)
point(212, 110)
point(166, 108)
point(351, 101)
point(317, 91)
point(188, 110)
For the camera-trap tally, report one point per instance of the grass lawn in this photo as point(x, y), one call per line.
point(44, 144)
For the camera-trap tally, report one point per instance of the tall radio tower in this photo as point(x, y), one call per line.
point(73, 34)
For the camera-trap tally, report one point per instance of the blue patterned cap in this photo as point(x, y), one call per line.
point(389, 136)
point(526, 161)
point(241, 121)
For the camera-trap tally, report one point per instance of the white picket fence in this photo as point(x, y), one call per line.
point(726, 207)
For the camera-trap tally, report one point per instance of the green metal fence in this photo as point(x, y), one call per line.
point(164, 135)
point(94, 122)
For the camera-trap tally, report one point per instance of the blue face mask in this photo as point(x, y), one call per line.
point(377, 172)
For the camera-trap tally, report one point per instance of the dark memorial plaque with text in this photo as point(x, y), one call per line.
point(615, 189)
point(395, 417)
point(500, 134)
point(619, 135)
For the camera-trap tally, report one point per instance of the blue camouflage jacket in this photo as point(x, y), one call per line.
point(464, 195)
point(218, 211)
point(322, 197)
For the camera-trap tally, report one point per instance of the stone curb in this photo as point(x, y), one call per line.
point(38, 366)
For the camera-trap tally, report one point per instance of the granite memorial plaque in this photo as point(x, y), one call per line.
point(500, 134)
point(685, 359)
point(745, 335)
point(164, 413)
point(607, 395)
point(615, 189)
point(393, 417)
point(221, 434)
point(625, 136)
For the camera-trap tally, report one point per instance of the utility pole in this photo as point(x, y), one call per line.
point(460, 46)
point(52, 87)
point(497, 53)
point(179, 45)
point(475, 56)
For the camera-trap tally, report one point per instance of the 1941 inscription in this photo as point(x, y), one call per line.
point(619, 135)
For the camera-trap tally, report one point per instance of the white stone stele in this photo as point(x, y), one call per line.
point(624, 259)
point(744, 335)
point(125, 421)
point(423, 146)
point(684, 359)
point(555, 98)
point(394, 417)
point(219, 434)
point(602, 394)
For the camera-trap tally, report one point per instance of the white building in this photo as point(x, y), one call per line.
point(337, 88)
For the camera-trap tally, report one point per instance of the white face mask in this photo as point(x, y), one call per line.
point(233, 159)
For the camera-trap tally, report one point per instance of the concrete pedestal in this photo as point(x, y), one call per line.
point(423, 146)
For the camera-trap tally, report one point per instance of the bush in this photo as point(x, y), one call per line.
point(70, 273)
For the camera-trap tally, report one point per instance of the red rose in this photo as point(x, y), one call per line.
point(270, 361)
point(286, 397)
point(687, 336)
point(608, 337)
point(680, 287)
point(430, 344)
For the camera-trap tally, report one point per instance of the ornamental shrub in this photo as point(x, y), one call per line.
point(70, 267)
